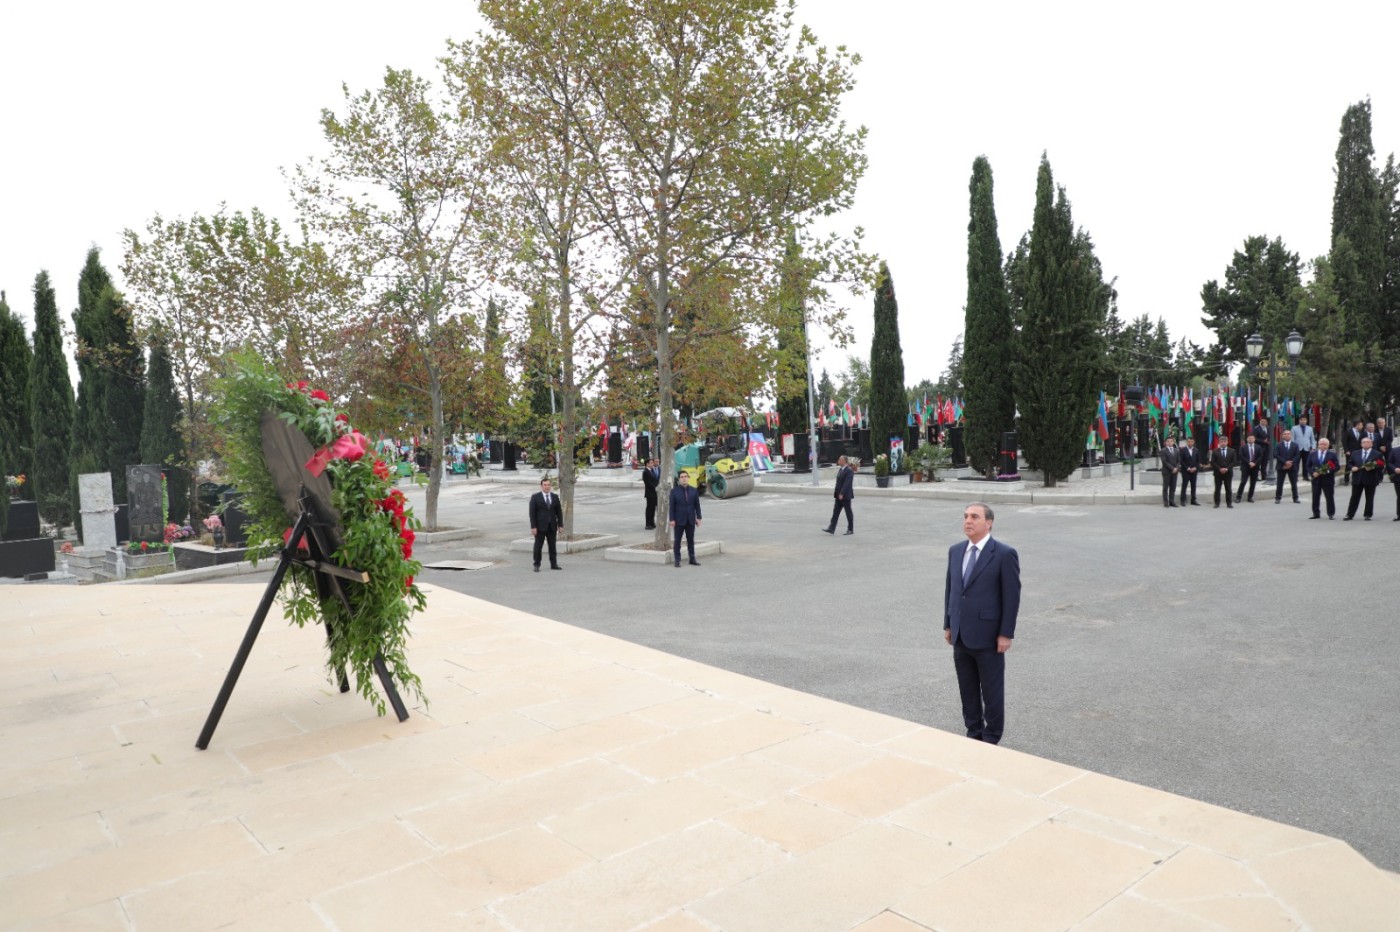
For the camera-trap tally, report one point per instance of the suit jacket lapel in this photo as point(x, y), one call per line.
point(988, 549)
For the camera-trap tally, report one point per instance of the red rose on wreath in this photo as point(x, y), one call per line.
point(319, 395)
point(381, 469)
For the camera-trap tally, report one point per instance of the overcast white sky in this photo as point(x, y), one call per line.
point(1177, 131)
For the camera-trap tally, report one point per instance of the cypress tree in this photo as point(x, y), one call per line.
point(16, 359)
point(889, 410)
point(1358, 225)
point(1061, 337)
point(162, 442)
point(91, 430)
point(51, 408)
point(989, 352)
point(124, 389)
point(792, 376)
point(4, 494)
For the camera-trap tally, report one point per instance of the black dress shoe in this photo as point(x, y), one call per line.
point(1228, 505)
point(1347, 518)
point(1217, 504)
point(1368, 518)
point(1316, 517)
point(1331, 517)
point(848, 534)
point(694, 562)
point(556, 567)
point(1194, 502)
point(1278, 501)
point(829, 530)
point(537, 567)
point(678, 564)
point(1172, 505)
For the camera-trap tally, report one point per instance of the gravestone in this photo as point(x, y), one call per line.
point(99, 514)
point(143, 500)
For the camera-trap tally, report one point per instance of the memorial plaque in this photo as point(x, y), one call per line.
point(23, 521)
point(143, 499)
point(99, 514)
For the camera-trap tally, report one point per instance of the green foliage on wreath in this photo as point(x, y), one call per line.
point(377, 527)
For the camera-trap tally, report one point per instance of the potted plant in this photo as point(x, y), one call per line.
point(882, 471)
point(928, 459)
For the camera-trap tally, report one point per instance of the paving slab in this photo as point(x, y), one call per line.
point(559, 778)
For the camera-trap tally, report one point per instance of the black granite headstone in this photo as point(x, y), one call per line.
point(23, 521)
point(143, 501)
point(22, 557)
point(956, 441)
point(235, 533)
point(123, 524)
point(801, 453)
point(614, 448)
point(643, 448)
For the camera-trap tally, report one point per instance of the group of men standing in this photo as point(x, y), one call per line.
point(1369, 450)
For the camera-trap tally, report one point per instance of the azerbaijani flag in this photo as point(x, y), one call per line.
point(1102, 424)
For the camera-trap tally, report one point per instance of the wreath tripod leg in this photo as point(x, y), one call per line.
point(255, 626)
point(387, 682)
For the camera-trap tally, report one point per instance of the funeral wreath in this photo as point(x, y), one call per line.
point(376, 523)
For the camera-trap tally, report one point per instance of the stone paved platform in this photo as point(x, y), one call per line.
point(563, 779)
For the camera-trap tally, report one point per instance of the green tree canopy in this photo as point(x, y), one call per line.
point(889, 412)
point(16, 360)
point(989, 355)
point(162, 440)
point(1062, 347)
point(51, 408)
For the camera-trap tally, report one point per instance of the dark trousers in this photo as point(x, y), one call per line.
point(1396, 485)
point(1359, 487)
point(842, 504)
point(1168, 486)
point(1188, 481)
point(546, 534)
point(688, 530)
point(1222, 479)
point(1250, 475)
point(1263, 460)
point(1292, 475)
point(651, 510)
point(1325, 487)
point(981, 682)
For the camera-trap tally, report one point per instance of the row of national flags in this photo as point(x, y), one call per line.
point(1217, 407)
point(938, 410)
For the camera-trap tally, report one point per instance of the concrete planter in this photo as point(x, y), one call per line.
point(586, 542)
point(141, 565)
point(703, 548)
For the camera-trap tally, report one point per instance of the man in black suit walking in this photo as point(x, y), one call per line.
point(546, 514)
point(1222, 466)
point(1392, 466)
point(981, 598)
point(651, 478)
point(1190, 467)
point(685, 518)
point(1286, 460)
point(845, 491)
point(1365, 469)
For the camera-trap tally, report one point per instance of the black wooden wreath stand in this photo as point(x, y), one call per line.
point(327, 576)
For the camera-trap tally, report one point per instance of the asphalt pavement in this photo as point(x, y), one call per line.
point(1243, 657)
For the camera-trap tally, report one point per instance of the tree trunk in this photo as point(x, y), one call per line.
point(564, 441)
point(434, 450)
point(191, 450)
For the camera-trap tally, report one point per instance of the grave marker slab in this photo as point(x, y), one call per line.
point(99, 514)
point(143, 499)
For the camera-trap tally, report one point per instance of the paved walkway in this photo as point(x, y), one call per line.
point(564, 779)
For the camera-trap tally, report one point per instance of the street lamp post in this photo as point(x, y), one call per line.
point(1273, 367)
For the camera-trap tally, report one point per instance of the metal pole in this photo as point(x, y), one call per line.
point(1273, 400)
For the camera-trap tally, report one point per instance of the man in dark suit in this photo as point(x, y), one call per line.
point(1190, 468)
point(1170, 461)
point(1366, 469)
point(685, 518)
point(1251, 460)
point(1351, 442)
point(1260, 433)
point(1222, 466)
point(845, 491)
point(651, 478)
point(546, 514)
point(1385, 438)
point(1287, 457)
point(1392, 467)
point(981, 597)
point(1323, 466)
